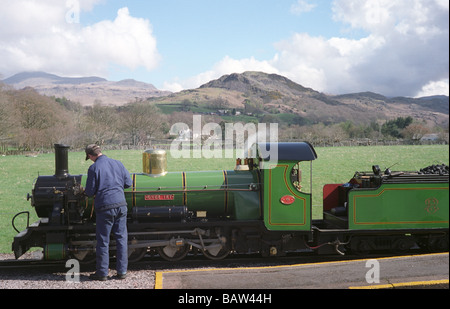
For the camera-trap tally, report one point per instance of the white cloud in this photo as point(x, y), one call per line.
point(415, 40)
point(405, 51)
point(434, 87)
point(302, 6)
point(443, 4)
point(326, 65)
point(126, 41)
point(407, 47)
point(46, 36)
point(227, 65)
point(311, 61)
point(172, 86)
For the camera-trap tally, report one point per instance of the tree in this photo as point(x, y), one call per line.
point(101, 123)
point(5, 111)
point(140, 121)
point(186, 105)
point(38, 120)
point(415, 131)
point(220, 103)
point(394, 127)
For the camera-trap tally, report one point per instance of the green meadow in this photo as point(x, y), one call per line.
point(333, 165)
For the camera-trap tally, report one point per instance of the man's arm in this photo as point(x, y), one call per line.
point(91, 185)
point(126, 177)
point(127, 180)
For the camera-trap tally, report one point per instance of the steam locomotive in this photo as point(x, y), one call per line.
point(261, 206)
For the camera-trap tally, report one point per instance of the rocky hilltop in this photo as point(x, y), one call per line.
point(85, 90)
point(272, 94)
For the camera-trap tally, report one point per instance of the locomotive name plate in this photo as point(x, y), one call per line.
point(159, 197)
point(287, 200)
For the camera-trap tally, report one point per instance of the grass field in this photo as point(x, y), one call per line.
point(334, 165)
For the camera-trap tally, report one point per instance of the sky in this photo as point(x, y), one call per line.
point(391, 47)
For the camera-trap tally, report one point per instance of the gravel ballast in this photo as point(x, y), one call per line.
point(48, 278)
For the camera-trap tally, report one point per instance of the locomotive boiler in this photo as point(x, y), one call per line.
point(261, 206)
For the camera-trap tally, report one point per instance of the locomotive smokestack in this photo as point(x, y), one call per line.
point(61, 161)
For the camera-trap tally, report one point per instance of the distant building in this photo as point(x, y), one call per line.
point(430, 137)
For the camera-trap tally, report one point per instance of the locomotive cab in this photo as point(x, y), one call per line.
point(287, 200)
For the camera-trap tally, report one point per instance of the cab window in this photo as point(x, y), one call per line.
point(300, 177)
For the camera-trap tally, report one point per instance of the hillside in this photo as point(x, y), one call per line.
point(254, 93)
point(85, 90)
point(258, 84)
point(273, 94)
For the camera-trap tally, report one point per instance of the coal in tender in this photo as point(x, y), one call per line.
point(435, 169)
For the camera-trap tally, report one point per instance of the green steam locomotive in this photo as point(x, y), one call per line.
point(263, 206)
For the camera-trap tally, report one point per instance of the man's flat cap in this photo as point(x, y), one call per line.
point(92, 149)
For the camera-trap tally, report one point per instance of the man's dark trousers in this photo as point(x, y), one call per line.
point(115, 221)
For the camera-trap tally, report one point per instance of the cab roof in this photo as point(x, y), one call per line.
point(302, 151)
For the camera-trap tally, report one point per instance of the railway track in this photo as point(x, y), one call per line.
point(17, 264)
point(198, 261)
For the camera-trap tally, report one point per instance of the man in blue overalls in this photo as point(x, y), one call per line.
point(106, 180)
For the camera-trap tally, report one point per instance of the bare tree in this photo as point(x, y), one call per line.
point(415, 131)
point(141, 121)
point(38, 120)
point(101, 123)
point(5, 110)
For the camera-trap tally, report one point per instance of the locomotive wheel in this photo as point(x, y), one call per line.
point(136, 255)
point(84, 257)
point(438, 244)
point(217, 250)
point(401, 245)
point(173, 252)
point(214, 254)
point(361, 246)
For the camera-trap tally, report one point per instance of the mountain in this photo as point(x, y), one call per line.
point(258, 83)
point(85, 90)
point(250, 92)
point(274, 94)
point(29, 79)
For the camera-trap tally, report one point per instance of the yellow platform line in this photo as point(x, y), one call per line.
point(158, 280)
point(401, 284)
point(159, 274)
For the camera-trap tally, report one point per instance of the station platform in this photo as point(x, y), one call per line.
point(413, 271)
